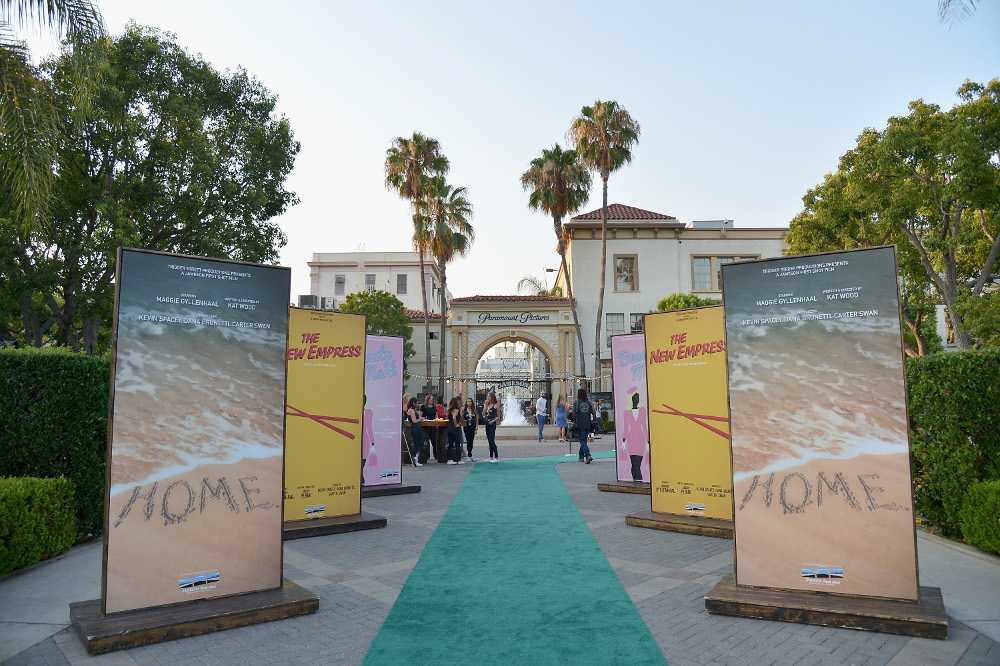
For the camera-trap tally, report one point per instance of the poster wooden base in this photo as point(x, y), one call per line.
point(154, 625)
point(925, 618)
point(713, 527)
point(634, 487)
point(300, 529)
point(388, 489)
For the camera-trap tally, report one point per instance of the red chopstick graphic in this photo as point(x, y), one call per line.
point(696, 418)
point(322, 420)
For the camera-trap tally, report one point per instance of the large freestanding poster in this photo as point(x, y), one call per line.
point(820, 441)
point(628, 378)
point(381, 424)
point(193, 505)
point(323, 447)
point(688, 422)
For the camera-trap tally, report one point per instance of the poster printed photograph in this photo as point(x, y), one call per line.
point(821, 458)
point(325, 414)
point(195, 459)
point(628, 376)
point(382, 426)
point(688, 415)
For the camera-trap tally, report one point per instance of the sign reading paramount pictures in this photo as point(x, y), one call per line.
point(821, 457)
point(382, 425)
point(688, 423)
point(628, 377)
point(323, 444)
point(193, 506)
point(504, 318)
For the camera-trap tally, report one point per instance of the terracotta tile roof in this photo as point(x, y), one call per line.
point(419, 314)
point(509, 299)
point(618, 211)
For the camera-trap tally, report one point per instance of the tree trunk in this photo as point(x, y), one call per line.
point(569, 290)
point(600, 292)
point(427, 321)
point(444, 305)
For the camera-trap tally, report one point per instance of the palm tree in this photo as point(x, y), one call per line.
point(444, 213)
point(29, 124)
point(604, 134)
point(410, 164)
point(559, 185)
point(535, 287)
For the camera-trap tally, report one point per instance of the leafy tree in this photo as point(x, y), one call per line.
point(534, 287)
point(930, 181)
point(953, 12)
point(443, 217)
point(385, 315)
point(173, 156)
point(29, 120)
point(683, 302)
point(605, 134)
point(559, 184)
point(410, 164)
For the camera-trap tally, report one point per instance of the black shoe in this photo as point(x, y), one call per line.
point(589, 458)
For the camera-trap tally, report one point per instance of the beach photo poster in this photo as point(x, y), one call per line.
point(688, 419)
point(821, 457)
point(628, 379)
point(325, 412)
point(382, 424)
point(196, 430)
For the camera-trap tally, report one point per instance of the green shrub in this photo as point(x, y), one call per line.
point(36, 520)
point(54, 420)
point(981, 516)
point(955, 422)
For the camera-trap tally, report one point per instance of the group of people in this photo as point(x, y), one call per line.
point(463, 420)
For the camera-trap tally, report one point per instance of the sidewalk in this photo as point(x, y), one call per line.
point(359, 575)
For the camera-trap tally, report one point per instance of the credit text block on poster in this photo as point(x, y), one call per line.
point(382, 421)
point(688, 421)
point(326, 375)
point(821, 460)
point(628, 376)
point(196, 431)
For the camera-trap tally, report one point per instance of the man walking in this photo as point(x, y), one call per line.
point(541, 413)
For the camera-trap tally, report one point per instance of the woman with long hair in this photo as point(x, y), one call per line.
point(561, 423)
point(491, 417)
point(455, 432)
point(583, 416)
point(470, 421)
point(413, 418)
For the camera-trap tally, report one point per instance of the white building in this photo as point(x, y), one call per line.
point(336, 274)
point(649, 256)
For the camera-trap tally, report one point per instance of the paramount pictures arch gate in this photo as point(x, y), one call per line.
point(478, 323)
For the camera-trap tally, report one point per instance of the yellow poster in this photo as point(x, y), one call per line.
point(326, 378)
point(688, 413)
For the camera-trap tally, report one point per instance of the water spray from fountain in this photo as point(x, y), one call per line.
point(512, 415)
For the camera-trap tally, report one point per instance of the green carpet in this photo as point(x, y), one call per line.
point(513, 575)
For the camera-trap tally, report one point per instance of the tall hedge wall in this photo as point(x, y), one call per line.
point(955, 422)
point(54, 422)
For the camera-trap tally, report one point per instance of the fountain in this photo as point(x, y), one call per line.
point(512, 415)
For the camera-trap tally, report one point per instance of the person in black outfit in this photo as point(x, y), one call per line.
point(491, 417)
point(470, 419)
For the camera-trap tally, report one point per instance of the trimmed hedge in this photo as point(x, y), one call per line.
point(981, 516)
point(36, 520)
point(54, 420)
point(955, 422)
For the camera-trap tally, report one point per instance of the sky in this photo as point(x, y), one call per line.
point(743, 106)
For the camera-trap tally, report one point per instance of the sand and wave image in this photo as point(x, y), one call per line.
point(820, 443)
point(197, 434)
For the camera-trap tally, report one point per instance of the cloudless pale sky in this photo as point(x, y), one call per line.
point(743, 105)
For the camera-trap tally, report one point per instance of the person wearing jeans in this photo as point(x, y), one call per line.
point(541, 412)
point(583, 414)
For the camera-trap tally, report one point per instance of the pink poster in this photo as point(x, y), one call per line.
point(381, 427)
point(628, 376)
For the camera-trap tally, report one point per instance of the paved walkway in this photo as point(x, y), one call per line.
point(358, 577)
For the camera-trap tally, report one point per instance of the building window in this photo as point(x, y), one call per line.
point(636, 323)
point(626, 273)
point(706, 271)
point(401, 283)
point(369, 282)
point(338, 282)
point(615, 325)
